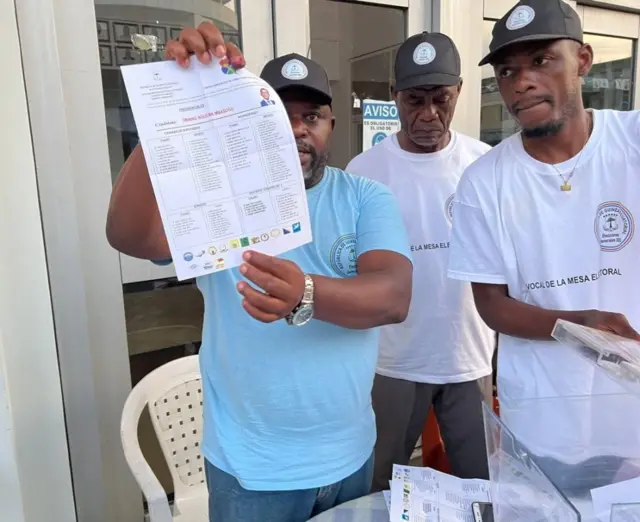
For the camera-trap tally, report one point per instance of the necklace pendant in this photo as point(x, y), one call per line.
point(565, 187)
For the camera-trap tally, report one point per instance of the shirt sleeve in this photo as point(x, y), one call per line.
point(380, 225)
point(474, 252)
point(354, 166)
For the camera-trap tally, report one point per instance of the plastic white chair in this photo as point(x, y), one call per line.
point(173, 393)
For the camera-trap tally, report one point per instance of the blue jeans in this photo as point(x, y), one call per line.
point(230, 502)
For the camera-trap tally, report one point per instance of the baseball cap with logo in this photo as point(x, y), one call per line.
point(295, 71)
point(425, 60)
point(534, 20)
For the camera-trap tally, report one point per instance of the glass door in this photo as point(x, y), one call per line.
point(163, 316)
point(611, 83)
point(359, 62)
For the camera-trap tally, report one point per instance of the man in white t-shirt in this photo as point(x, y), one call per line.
point(441, 355)
point(544, 228)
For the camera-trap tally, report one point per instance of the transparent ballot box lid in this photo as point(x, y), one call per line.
point(615, 356)
point(571, 459)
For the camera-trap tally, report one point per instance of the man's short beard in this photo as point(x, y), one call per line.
point(315, 172)
point(545, 130)
point(318, 163)
point(552, 128)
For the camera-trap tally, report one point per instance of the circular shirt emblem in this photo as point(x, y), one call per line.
point(343, 255)
point(614, 226)
point(520, 17)
point(295, 70)
point(424, 54)
point(448, 207)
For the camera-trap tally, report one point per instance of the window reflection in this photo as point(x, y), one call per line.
point(609, 85)
point(117, 27)
point(359, 62)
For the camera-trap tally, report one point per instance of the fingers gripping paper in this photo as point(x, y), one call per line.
point(223, 163)
point(618, 356)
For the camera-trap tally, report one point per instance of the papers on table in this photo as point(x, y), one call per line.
point(626, 492)
point(223, 163)
point(427, 495)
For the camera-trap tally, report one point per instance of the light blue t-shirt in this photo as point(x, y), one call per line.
point(286, 407)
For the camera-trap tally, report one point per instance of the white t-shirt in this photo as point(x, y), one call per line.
point(572, 250)
point(443, 339)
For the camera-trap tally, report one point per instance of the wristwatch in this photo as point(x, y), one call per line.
point(303, 313)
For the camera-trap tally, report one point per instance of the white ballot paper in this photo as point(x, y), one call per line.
point(427, 495)
point(387, 499)
point(223, 163)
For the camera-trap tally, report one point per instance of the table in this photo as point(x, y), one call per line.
point(365, 509)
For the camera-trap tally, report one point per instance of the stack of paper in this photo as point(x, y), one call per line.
point(427, 495)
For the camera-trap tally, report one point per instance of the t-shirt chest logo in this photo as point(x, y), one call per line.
point(448, 207)
point(614, 226)
point(343, 256)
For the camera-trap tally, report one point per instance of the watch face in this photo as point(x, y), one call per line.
point(303, 316)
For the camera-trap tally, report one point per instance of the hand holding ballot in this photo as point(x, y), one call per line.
point(282, 283)
point(205, 41)
point(224, 167)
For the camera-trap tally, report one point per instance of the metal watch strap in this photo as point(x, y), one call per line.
point(307, 296)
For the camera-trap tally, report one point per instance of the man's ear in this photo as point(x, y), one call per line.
point(333, 122)
point(585, 59)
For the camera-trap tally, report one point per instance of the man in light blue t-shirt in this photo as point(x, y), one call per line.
point(289, 343)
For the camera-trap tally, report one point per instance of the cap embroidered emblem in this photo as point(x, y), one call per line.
point(424, 54)
point(295, 70)
point(520, 17)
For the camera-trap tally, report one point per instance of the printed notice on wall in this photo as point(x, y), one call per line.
point(223, 163)
point(379, 120)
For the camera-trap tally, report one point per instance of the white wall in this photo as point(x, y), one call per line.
point(291, 21)
point(35, 481)
point(66, 109)
point(10, 494)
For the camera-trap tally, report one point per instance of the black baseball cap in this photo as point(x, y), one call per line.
point(425, 60)
point(296, 71)
point(535, 20)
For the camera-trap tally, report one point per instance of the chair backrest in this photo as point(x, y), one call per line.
point(176, 414)
point(173, 394)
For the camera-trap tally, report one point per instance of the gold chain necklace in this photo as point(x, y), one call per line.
point(566, 187)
